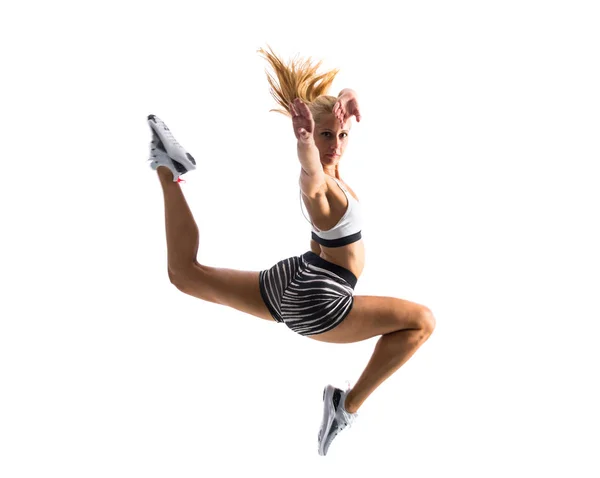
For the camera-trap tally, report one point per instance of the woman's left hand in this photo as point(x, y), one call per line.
point(346, 106)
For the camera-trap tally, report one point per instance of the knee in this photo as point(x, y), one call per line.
point(178, 279)
point(427, 321)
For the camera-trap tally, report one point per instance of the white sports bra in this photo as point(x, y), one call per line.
point(348, 228)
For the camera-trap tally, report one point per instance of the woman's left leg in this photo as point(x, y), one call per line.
point(403, 325)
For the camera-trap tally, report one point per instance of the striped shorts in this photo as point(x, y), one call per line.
point(307, 293)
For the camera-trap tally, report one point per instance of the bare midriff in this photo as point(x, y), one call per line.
point(325, 213)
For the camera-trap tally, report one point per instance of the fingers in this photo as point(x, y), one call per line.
point(302, 120)
point(302, 109)
point(296, 113)
point(342, 114)
point(356, 113)
point(297, 104)
point(338, 112)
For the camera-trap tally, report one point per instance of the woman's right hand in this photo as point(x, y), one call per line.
point(302, 119)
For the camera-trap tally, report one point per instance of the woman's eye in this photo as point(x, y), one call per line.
point(329, 134)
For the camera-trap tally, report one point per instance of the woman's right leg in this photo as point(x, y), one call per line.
point(183, 237)
point(237, 289)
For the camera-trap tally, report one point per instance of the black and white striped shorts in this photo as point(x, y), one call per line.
point(307, 293)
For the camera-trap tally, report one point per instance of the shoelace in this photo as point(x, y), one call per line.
point(154, 142)
point(169, 134)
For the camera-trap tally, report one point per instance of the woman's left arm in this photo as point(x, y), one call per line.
point(346, 106)
point(348, 91)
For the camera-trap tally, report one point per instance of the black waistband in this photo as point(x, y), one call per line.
point(342, 241)
point(344, 273)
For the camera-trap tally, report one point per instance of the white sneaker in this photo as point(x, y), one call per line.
point(335, 416)
point(166, 151)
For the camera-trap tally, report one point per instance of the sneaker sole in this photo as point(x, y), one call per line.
point(328, 417)
point(185, 160)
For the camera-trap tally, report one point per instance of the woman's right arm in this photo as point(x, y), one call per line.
point(312, 177)
point(308, 154)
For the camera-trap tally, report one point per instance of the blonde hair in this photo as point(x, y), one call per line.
point(299, 79)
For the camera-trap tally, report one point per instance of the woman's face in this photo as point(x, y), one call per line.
point(331, 139)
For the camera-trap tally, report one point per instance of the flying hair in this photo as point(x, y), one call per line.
point(298, 78)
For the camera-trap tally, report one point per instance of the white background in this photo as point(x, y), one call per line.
point(476, 166)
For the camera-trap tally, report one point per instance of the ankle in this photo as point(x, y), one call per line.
point(164, 173)
point(349, 405)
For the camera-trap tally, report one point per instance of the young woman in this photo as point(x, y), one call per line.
point(312, 293)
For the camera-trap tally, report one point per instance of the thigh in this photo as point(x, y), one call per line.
point(237, 289)
point(371, 316)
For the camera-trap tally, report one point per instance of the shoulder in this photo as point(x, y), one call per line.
point(321, 192)
point(319, 205)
